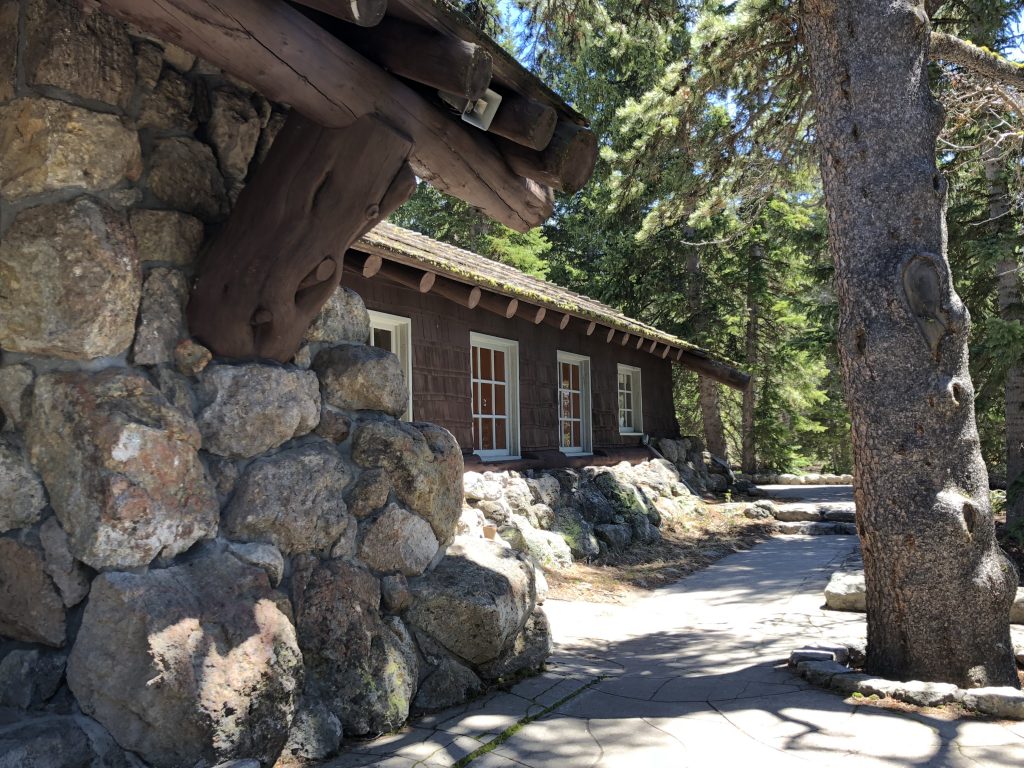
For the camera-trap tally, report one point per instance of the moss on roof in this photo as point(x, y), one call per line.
point(404, 246)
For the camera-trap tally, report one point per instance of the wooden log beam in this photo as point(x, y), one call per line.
point(281, 253)
point(363, 13)
point(654, 346)
point(290, 59)
point(524, 121)
point(611, 335)
point(665, 351)
point(464, 295)
point(591, 327)
point(425, 56)
point(505, 306)
point(625, 339)
point(418, 279)
point(713, 369)
point(640, 342)
point(565, 164)
point(559, 320)
point(531, 313)
point(365, 264)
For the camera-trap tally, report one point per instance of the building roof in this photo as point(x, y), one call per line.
point(404, 246)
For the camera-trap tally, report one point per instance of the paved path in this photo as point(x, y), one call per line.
point(693, 675)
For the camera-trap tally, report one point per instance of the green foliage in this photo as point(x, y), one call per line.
point(452, 221)
point(704, 208)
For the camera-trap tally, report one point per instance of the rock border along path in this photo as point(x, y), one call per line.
point(695, 675)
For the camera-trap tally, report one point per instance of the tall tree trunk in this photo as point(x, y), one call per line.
point(709, 392)
point(938, 587)
point(711, 414)
point(1010, 310)
point(749, 445)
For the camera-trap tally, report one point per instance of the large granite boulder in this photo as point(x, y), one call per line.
point(15, 396)
point(423, 463)
point(29, 677)
point(70, 576)
point(445, 680)
point(60, 741)
point(343, 318)
point(846, 591)
point(170, 105)
point(88, 54)
point(526, 654)
point(161, 317)
point(359, 377)
point(547, 549)
point(194, 662)
point(48, 145)
point(30, 607)
point(294, 500)
point(363, 667)
point(22, 499)
point(476, 600)
point(121, 468)
point(398, 541)
point(234, 130)
point(71, 281)
point(248, 409)
point(167, 237)
point(184, 175)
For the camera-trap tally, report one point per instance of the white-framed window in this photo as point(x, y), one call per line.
point(394, 333)
point(574, 403)
point(631, 414)
point(495, 382)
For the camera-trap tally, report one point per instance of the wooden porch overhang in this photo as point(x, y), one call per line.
point(381, 92)
point(474, 281)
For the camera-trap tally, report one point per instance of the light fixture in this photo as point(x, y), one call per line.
point(477, 112)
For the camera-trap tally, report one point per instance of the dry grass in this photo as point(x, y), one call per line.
point(687, 544)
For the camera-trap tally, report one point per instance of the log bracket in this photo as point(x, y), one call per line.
point(281, 253)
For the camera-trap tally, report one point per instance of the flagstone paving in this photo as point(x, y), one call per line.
point(694, 675)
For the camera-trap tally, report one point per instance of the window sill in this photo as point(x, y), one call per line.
point(631, 434)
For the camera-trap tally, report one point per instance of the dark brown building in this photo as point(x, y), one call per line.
point(518, 369)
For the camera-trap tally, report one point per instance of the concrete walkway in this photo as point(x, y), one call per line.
point(694, 675)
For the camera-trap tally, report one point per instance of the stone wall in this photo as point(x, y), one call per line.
point(557, 516)
point(200, 559)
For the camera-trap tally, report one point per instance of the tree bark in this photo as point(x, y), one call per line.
point(749, 443)
point(938, 587)
point(711, 414)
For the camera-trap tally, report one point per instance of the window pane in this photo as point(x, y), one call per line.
point(499, 366)
point(566, 377)
point(576, 441)
point(488, 435)
point(499, 399)
point(485, 363)
point(476, 399)
point(575, 405)
point(500, 435)
point(565, 406)
point(384, 339)
point(486, 399)
point(475, 354)
point(566, 434)
point(476, 434)
point(575, 369)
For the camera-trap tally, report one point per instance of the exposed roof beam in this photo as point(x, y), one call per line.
point(425, 56)
point(291, 59)
point(363, 13)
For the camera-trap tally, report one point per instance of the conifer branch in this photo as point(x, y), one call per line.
point(977, 59)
